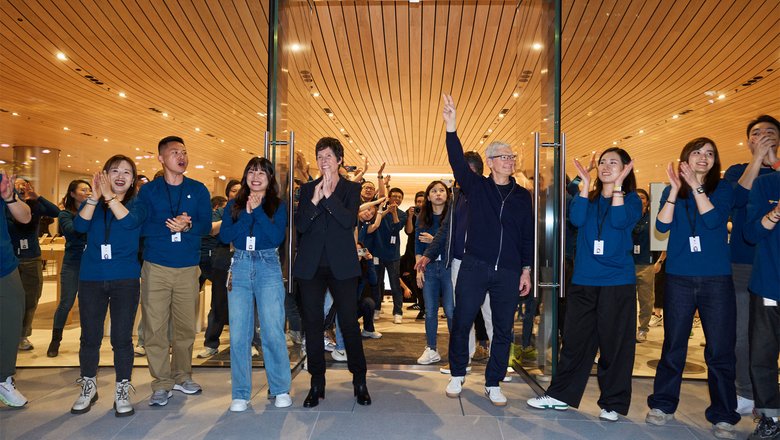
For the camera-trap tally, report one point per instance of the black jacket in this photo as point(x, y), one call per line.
point(328, 227)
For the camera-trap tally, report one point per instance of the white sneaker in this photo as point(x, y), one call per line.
point(455, 386)
point(744, 406)
point(9, 395)
point(376, 315)
point(398, 319)
point(329, 345)
point(255, 352)
point(87, 397)
point(239, 405)
point(207, 352)
point(283, 400)
point(429, 356)
point(495, 395)
point(122, 405)
point(339, 355)
point(609, 416)
point(656, 320)
point(372, 335)
point(139, 351)
point(547, 402)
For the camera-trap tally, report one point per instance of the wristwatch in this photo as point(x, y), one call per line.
point(700, 190)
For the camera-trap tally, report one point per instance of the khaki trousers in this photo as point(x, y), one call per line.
point(169, 294)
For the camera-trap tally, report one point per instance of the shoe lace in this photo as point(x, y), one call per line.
point(123, 390)
point(87, 386)
point(767, 427)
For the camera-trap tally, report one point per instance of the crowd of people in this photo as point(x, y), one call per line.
point(131, 241)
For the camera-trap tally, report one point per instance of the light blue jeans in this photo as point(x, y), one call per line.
point(257, 279)
point(437, 287)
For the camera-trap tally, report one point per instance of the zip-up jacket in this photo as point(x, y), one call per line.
point(500, 230)
point(450, 242)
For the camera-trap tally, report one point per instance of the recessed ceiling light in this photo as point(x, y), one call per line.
point(165, 115)
point(5, 145)
point(315, 94)
point(350, 141)
point(342, 130)
point(243, 149)
point(97, 161)
point(122, 95)
point(740, 144)
point(197, 128)
point(641, 132)
point(490, 130)
point(137, 149)
point(536, 46)
point(61, 56)
point(222, 177)
point(516, 95)
point(200, 167)
point(33, 158)
point(2, 162)
point(68, 155)
point(614, 142)
point(139, 157)
point(711, 101)
point(675, 116)
point(295, 47)
point(68, 166)
point(66, 128)
point(721, 96)
point(501, 116)
point(46, 151)
point(14, 114)
point(105, 139)
point(222, 140)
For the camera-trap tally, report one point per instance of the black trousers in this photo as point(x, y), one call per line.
point(598, 318)
point(218, 314)
point(313, 301)
point(764, 331)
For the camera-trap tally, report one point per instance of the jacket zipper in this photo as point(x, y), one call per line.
point(500, 215)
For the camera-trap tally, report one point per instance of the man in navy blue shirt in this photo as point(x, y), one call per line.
point(762, 139)
point(179, 214)
point(24, 238)
point(387, 247)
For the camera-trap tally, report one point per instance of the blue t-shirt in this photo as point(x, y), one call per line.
point(742, 252)
point(765, 277)
point(8, 261)
point(364, 237)
point(162, 202)
point(268, 233)
point(24, 237)
point(612, 225)
point(387, 238)
point(124, 237)
point(75, 242)
point(419, 247)
point(713, 258)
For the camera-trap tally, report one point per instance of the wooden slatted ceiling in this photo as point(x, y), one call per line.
point(381, 68)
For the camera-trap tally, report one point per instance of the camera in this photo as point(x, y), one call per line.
point(350, 168)
point(416, 209)
point(362, 252)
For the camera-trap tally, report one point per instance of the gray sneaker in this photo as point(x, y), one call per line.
point(188, 387)
point(122, 405)
point(87, 397)
point(160, 398)
point(657, 417)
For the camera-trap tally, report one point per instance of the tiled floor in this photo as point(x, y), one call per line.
point(407, 404)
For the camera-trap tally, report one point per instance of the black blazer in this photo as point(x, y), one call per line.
point(328, 227)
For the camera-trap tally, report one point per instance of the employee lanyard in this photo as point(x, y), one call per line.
point(170, 201)
point(107, 223)
point(600, 219)
point(691, 218)
point(252, 226)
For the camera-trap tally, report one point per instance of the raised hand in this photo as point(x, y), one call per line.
point(584, 176)
point(96, 192)
point(253, 202)
point(104, 183)
point(329, 185)
point(592, 165)
point(381, 168)
point(386, 180)
point(318, 195)
point(687, 173)
point(623, 174)
point(6, 185)
point(425, 237)
point(674, 178)
point(29, 192)
point(448, 113)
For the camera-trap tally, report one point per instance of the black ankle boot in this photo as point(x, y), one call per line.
point(54, 345)
point(361, 394)
point(315, 394)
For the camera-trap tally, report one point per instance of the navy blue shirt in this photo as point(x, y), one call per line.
point(713, 260)
point(742, 252)
point(123, 236)
point(765, 277)
point(364, 237)
point(75, 242)
point(24, 237)
point(268, 233)
point(162, 202)
point(8, 261)
point(641, 238)
point(387, 238)
point(599, 220)
point(419, 247)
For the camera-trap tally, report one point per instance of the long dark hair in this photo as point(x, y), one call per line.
point(68, 201)
point(115, 160)
point(425, 219)
point(629, 184)
point(712, 178)
point(270, 201)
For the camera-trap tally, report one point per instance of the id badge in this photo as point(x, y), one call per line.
point(770, 302)
point(392, 239)
point(250, 243)
point(376, 261)
point(23, 244)
point(105, 251)
point(176, 238)
point(636, 249)
point(695, 244)
point(598, 247)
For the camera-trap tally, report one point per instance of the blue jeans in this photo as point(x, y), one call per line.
point(257, 280)
point(438, 284)
point(95, 299)
point(714, 297)
point(69, 286)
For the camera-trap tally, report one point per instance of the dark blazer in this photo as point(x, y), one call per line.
point(328, 227)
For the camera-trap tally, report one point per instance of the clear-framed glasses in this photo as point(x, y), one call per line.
point(504, 157)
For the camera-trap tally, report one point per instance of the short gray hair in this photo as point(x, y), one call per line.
point(495, 146)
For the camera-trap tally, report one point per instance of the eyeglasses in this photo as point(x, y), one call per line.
point(504, 157)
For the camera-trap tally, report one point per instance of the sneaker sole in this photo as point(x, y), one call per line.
point(496, 403)
point(82, 411)
point(434, 361)
point(181, 389)
point(11, 404)
point(123, 414)
point(555, 407)
point(606, 419)
point(657, 422)
point(452, 395)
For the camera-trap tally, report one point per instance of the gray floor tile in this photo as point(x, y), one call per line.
point(368, 426)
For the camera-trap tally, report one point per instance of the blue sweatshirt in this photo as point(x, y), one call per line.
point(641, 237)
point(451, 244)
point(713, 260)
point(420, 247)
point(268, 233)
point(74, 241)
point(387, 237)
point(24, 237)
point(123, 236)
point(8, 261)
point(616, 223)
point(765, 278)
point(162, 202)
point(742, 252)
point(500, 230)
